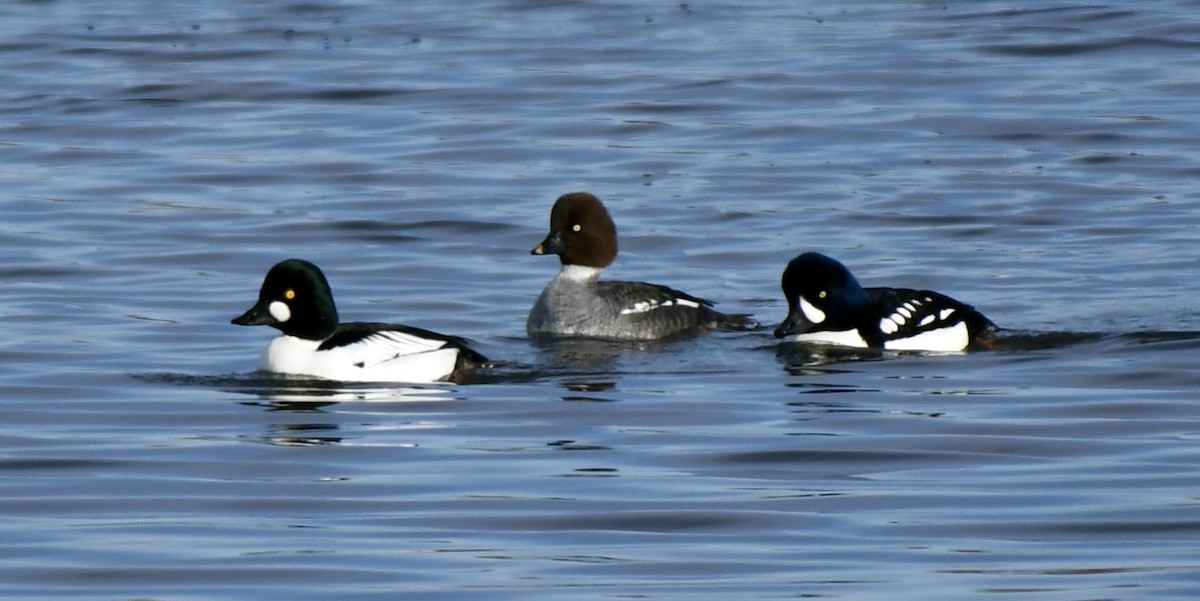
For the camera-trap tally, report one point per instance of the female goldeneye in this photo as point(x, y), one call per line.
point(827, 305)
point(295, 299)
point(584, 237)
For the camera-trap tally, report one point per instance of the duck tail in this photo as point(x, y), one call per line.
point(738, 322)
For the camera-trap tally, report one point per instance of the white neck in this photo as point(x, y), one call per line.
point(579, 273)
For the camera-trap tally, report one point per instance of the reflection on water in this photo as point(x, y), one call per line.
point(303, 435)
point(588, 355)
point(294, 397)
point(288, 393)
point(588, 391)
point(800, 358)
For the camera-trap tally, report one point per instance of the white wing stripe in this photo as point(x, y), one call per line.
point(647, 306)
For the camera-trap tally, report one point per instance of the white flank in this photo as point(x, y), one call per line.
point(280, 311)
point(383, 357)
point(953, 338)
point(846, 338)
point(813, 314)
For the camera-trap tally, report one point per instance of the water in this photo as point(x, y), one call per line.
point(1037, 160)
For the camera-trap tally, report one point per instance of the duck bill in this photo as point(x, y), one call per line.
point(549, 246)
point(258, 315)
point(795, 323)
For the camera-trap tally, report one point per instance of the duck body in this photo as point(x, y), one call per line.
point(574, 303)
point(577, 303)
point(827, 305)
point(296, 300)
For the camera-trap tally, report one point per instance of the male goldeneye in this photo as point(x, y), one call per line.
point(584, 237)
point(827, 305)
point(295, 299)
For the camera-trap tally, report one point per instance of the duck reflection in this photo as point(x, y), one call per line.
point(313, 395)
point(286, 393)
point(305, 410)
point(307, 400)
point(588, 391)
point(800, 358)
point(588, 366)
point(303, 435)
point(566, 354)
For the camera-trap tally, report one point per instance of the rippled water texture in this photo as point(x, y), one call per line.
point(1037, 160)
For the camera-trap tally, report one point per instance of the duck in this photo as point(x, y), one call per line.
point(575, 303)
point(296, 299)
point(827, 305)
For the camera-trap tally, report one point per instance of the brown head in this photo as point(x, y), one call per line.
point(581, 232)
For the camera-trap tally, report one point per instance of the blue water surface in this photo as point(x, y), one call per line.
point(1037, 160)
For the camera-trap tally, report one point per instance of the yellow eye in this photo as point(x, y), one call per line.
point(289, 294)
point(576, 227)
point(820, 294)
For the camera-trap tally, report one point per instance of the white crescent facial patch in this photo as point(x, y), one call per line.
point(813, 314)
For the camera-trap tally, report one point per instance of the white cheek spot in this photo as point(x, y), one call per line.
point(813, 314)
point(280, 311)
point(945, 313)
